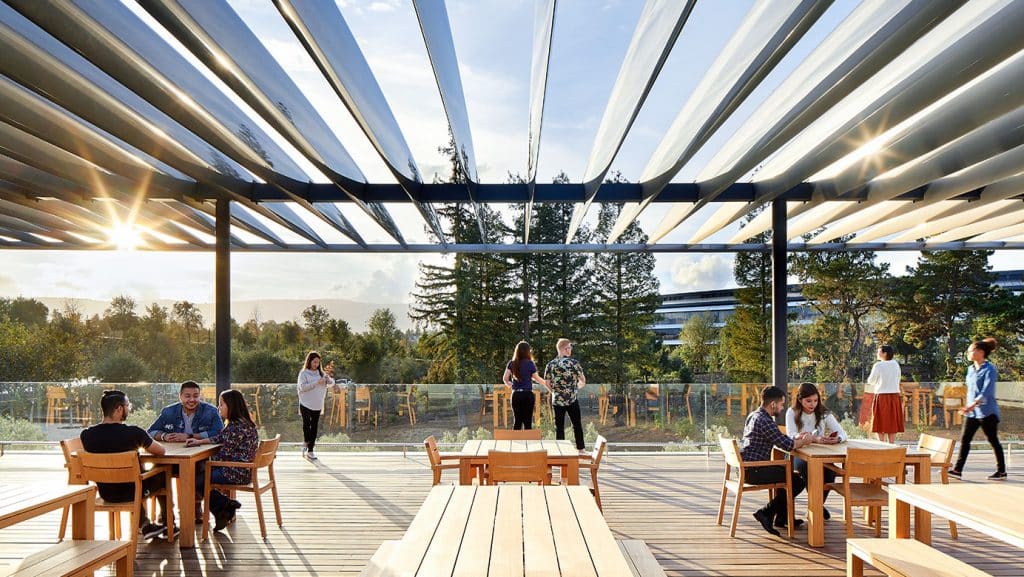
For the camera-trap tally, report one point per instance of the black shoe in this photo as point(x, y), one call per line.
point(152, 530)
point(825, 513)
point(781, 523)
point(955, 473)
point(766, 522)
point(233, 505)
point(997, 476)
point(222, 518)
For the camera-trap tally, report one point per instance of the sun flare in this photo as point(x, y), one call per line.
point(125, 236)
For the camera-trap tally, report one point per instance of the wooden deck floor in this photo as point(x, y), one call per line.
point(338, 512)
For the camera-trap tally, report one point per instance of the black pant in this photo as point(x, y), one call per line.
point(310, 425)
point(577, 423)
point(990, 426)
point(150, 485)
point(522, 409)
point(778, 506)
point(800, 466)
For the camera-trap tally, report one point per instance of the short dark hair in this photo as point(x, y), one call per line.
point(888, 351)
point(188, 385)
point(772, 393)
point(111, 401)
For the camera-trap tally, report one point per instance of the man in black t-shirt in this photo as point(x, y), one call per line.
point(113, 436)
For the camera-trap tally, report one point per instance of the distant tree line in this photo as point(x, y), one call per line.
point(930, 315)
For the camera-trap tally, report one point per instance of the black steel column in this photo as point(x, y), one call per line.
point(780, 360)
point(222, 295)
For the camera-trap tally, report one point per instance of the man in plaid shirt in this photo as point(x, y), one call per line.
point(760, 434)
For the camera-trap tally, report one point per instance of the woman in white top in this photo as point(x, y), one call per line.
point(809, 415)
point(886, 407)
point(312, 384)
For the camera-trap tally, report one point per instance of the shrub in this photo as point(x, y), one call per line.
point(142, 418)
point(590, 433)
point(263, 367)
point(853, 430)
point(120, 367)
point(12, 429)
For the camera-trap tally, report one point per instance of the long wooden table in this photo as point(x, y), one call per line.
point(816, 457)
point(21, 502)
point(995, 510)
point(560, 454)
point(506, 530)
point(186, 458)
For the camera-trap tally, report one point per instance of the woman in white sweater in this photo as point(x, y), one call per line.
point(312, 384)
point(809, 415)
point(886, 407)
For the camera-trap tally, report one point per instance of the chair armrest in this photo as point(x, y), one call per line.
point(748, 464)
point(450, 457)
point(155, 471)
point(231, 464)
point(835, 469)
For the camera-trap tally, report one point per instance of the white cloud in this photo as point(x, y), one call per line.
point(700, 272)
point(381, 7)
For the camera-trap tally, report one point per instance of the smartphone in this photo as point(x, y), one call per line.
point(833, 434)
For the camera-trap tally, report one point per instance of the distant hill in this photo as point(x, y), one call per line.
point(355, 313)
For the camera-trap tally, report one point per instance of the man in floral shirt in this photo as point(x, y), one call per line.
point(565, 376)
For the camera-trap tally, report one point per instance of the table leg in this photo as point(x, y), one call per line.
point(815, 487)
point(187, 503)
point(922, 518)
point(899, 518)
point(494, 406)
point(465, 472)
point(83, 518)
point(572, 472)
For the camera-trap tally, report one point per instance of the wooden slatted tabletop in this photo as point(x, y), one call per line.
point(992, 509)
point(560, 454)
point(20, 502)
point(506, 531)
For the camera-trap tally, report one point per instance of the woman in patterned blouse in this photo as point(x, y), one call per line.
point(238, 443)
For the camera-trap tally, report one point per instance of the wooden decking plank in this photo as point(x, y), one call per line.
point(608, 560)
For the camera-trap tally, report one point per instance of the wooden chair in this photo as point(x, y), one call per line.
point(872, 466)
point(123, 468)
point(265, 456)
point(437, 460)
point(409, 404)
point(734, 395)
point(593, 464)
point(685, 394)
point(954, 398)
point(941, 451)
point(209, 395)
point(517, 467)
point(339, 402)
point(363, 396)
point(513, 435)
point(602, 404)
point(739, 485)
point(56, 403)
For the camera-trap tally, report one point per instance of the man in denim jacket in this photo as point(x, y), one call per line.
point(190, 419)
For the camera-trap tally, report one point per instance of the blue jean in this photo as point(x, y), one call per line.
point(218, 500)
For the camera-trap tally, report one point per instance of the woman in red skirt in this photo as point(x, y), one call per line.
point(886, 408)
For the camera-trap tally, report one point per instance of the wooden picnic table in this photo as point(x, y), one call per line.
point(186, 458)
point(816, 457)
point(995, 510)
point(560, 454)
point(21, 502)
point(504, 530)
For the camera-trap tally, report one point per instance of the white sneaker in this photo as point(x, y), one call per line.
point(304, 451)
point(311, 455)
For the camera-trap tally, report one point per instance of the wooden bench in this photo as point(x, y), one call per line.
point(80, 558)
point(904, 558)
point(641, 560)
point(376, 563)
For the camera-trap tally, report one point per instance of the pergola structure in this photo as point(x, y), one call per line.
point(902, 130)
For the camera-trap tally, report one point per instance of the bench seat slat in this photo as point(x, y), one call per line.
point(909, 558)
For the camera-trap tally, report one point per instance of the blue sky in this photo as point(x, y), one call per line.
point(493, 42)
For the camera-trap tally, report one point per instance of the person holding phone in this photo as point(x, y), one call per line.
point(312, 383)
point(810, 416)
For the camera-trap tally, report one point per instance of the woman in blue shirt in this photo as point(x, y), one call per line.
point(520, 374)
point(981, 409)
